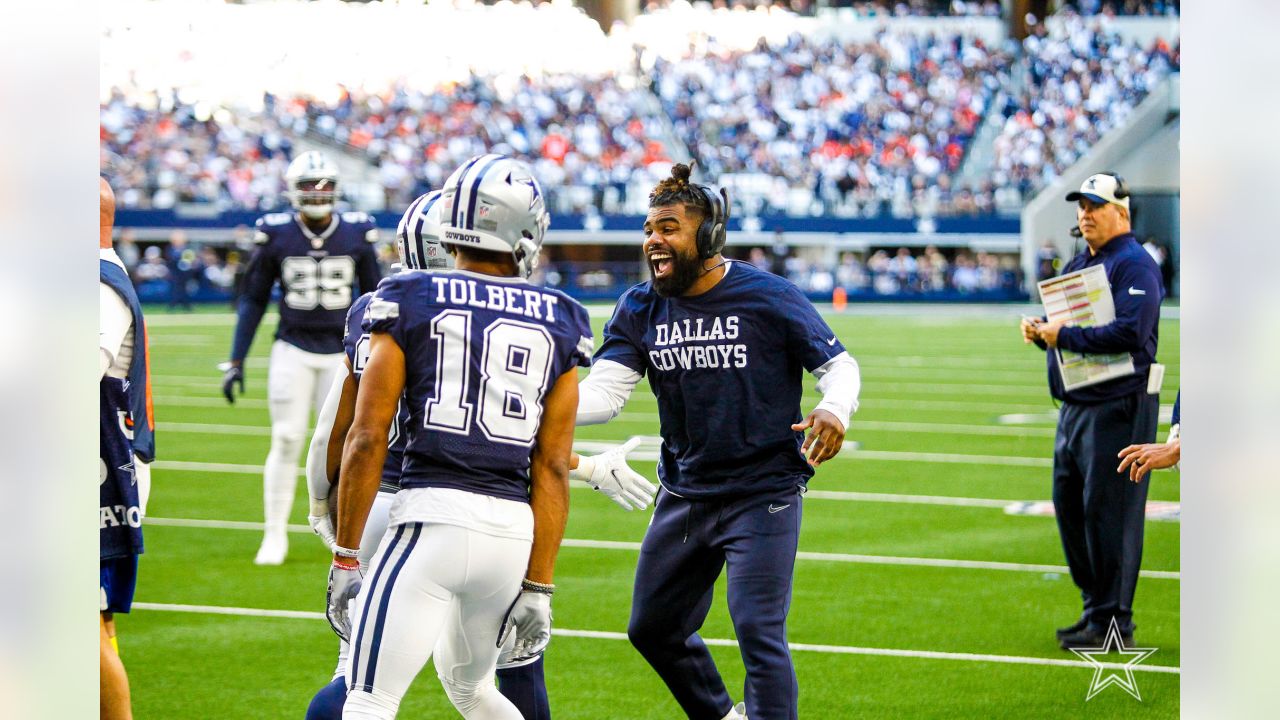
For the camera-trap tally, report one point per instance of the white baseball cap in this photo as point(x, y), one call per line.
point(1102, 188)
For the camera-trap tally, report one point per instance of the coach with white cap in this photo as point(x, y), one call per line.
point(1101, 511)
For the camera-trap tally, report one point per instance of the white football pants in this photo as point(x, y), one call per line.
point(297, 381)
point(436, 587)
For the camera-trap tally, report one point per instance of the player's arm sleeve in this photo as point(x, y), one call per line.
point(367, 269)
point(603, 393)
point(1136, 315)
point(615, 370)
point(259, 277)
point(839, 382)
point(328, 434)
point(114, 321)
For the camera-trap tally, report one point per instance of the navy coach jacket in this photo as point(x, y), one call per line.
point(1136, 290)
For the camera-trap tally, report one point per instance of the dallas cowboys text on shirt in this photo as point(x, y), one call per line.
point(673, 338)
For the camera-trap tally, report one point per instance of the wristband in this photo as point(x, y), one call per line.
point(345, 552)
point(585, 467)
point(537, 587)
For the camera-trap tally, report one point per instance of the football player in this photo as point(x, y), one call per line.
point(418, 245)
point(126, 444)
point(319, 258)
point(487, 365)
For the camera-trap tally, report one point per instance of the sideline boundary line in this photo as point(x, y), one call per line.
point(635, 547)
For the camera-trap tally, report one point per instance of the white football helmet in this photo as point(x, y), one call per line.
point(493, 202)
point(312, 182)
point(418, 235)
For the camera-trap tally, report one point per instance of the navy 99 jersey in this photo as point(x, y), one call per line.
point(318, 275)
point(481, 353)
point(356, 345)
point(726, 367)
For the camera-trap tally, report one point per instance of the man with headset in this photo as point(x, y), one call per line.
point(1100, 511)
point(724, 345)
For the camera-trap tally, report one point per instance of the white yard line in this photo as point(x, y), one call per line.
point(718, 642)
point(635, 547)
point(636, 417)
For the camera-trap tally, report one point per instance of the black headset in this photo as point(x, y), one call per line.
point(1122, 188)
point(713, 232)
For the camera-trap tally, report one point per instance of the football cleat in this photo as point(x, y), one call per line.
point(273, 550)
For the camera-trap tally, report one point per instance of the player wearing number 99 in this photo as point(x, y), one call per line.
point(487, 366)
point(318, 257)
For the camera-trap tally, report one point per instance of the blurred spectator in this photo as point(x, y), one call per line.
point(778, 254)
point(183, 267)
point(1125, 7)
point(1047, 261)
point(153, 266)
point(127, 249)
point(759, 259)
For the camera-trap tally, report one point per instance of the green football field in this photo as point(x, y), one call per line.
point(916, 594)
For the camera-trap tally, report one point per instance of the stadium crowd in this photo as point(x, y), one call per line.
point(829, 128)
point(802, 127)
point(589, 139)
point(1076, 88)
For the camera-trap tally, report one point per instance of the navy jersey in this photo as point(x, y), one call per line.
point(726, 367)
point(1136, 291)
point(119, 512)
point(356, 345)
point(481, 353)
point(318, 276)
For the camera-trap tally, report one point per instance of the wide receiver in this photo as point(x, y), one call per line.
point(319, 258)
point(418, 245)
point(487, 366)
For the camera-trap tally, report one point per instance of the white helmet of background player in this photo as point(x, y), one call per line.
point(418, 235)
point(494, 203)
point(312, 182)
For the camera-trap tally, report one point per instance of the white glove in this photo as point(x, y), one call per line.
point(344, 585)
point(530, 619)
point(322, 523)
point(609, 473)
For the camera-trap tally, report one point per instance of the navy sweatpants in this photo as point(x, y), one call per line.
point(1101, 512)
point(686, 546)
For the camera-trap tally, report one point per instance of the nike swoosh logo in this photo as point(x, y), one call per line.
point(832, 341)
point(778, 508)
point(1136, 291)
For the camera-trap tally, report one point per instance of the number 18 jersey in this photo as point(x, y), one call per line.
point(481, 353)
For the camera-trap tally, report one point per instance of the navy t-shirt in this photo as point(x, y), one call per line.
point(481, 353)
point(318, 275)
point(356, 346)
point(726, 367)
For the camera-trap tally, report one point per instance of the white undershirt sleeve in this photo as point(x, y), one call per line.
point(114, 323)
point(318, 486)
point(839, 381)
point(604, 392)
